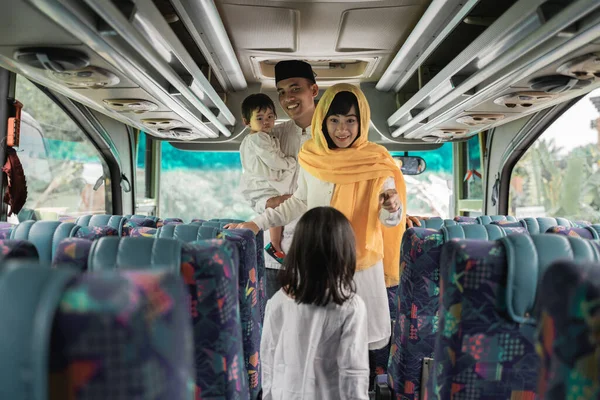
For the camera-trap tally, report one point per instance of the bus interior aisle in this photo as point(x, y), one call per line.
point(125, 272)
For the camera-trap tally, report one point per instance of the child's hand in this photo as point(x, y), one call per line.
point(244, 225)
point(389, 200)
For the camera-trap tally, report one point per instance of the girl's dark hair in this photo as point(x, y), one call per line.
point(258, 102)
point(320, 265)
point(341, 105)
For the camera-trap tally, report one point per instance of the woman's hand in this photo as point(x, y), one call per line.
point(244, 225)
point(412, 222)
point(389, 200)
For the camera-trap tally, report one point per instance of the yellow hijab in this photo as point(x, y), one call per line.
point(358, 173)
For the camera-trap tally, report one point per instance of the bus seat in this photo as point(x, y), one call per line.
point(567, 337)
point(45, 236)
point(435, 223)
point(585, 233)
point(5, 230)
point(188, 232)
point(115, 252)
point(142, 231)
point(465, 220)
point(18, 250)
point(72, 252)
point(488, 219)
point(115, 221)
point(209, 268)
point(250, 304)
point(542, 224)
point(417, 301)
point(142, 217)
point(487, 323)
point(122, 335)
point(168, 221)
point(138, 222)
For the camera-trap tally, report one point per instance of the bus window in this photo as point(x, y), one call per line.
point(61, 165)
point(559, 175)
point(201, 185)
point(429, 193)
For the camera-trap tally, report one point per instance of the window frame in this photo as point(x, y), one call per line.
point(533, 133)
point(92, 131)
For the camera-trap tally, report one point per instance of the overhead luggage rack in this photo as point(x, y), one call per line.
point(138, 42)
point(515, 49)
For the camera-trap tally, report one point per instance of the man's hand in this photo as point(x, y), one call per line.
point(274, 202)
point(389, 200)
point(411, 222)
point(244, 225)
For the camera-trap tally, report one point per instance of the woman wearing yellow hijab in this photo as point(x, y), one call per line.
point(342, 169)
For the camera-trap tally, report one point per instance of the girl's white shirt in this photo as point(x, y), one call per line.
point(312, 352)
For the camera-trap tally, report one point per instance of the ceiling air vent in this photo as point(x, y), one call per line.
point(165, 124)
point(138, 106)
point(480, 119)
point(524, 99)
point(442, 135)
point(583, 68)
point(182, 133)
point(557, 83)
point(89, 77)
point(52, 58)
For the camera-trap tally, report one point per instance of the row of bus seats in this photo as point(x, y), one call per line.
point(224, 277)
point(464, 317)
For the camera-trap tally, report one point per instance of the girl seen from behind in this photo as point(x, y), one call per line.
point(314, 341)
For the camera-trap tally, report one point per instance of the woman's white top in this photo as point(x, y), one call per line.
point(310, 352)
point(265, 167)
point(370, 283)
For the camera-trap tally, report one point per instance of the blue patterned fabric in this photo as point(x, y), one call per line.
point(568, 340)
point(168, 221)
point(17, 250)
point(584, 233)
point(465, 220)
point(210, 269)
point(137, 222)
point(95, 232)
point(488, 219)
point(415, 326)
point(142, 231)
point(250, 307)
point(479, 352)
point(72, 252)
point(122, 336)
point(5, 230)
point(509, 224)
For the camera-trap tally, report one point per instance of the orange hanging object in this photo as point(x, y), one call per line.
point(13, 134)
point(471, 173)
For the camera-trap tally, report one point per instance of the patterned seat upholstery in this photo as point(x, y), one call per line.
point(541, 225)
point(585, 233)
point(485, 342)
point(137, 221)
point(114, 221)
point(210, 270)
point(45, 236)
point(74, 253)
point(93, 331)
point(5, 230)
point(142, 231)
point(168, 221)
point(250, 307)
point(94, 232)
point(568, 339)
point(17, 250)
point(122, 336)
point(488, 219)
point(417, 300)
point(465, 220)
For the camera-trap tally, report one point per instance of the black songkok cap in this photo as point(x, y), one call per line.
point(293, 69)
